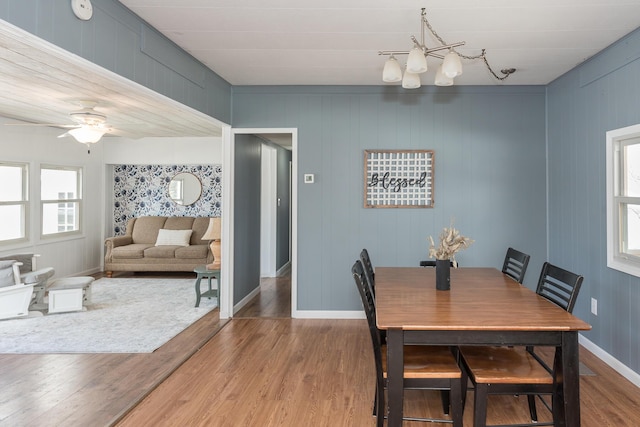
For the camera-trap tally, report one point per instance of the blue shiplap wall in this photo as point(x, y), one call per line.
point(489, 147)
point(600, 95)
point(246, 215)
point(118, 40)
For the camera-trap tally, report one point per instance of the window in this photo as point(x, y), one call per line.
point(623, 199)
point(61, 198)
point(13, 202)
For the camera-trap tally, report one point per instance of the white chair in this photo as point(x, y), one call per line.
point(69, 294)
point(52, 296)
point(31, 275)
point(15, 296)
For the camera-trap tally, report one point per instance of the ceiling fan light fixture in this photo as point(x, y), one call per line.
point(451, 65)
point(392, 72)
point(416, 62)
point(89, 118)
point(87, 134)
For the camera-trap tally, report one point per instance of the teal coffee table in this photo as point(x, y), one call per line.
point(203, 273)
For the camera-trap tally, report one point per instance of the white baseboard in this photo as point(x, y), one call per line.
point(322, 314)
point(284, 269)
point(244, 301)
point(617, 366)
point(89, 272)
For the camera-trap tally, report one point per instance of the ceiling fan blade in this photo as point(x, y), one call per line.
point(115, 132)
point(33, 124)
point(57, 125)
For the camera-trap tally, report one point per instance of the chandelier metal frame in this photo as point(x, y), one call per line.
point(433, 51)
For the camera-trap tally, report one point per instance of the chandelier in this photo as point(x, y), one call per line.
point(450, 68)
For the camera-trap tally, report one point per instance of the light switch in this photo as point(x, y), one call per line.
point(309, 178)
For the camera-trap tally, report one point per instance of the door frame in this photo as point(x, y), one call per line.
point(228, 206)
point(268, 210)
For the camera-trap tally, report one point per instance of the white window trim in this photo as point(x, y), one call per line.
point(614, 259)
point(79, 200)
point(24, 203)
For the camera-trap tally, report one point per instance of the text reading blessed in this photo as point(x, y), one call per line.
point(396, 184)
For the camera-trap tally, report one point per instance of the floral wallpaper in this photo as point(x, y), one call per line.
point(140, 190)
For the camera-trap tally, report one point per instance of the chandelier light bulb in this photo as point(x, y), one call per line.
point(417, 62)
point(452, 66)
point(410, 80)
point(392, 71)
point(442, 79)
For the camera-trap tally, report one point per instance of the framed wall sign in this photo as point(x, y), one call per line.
point(398, 178)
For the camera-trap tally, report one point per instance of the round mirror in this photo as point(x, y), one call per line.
point(185, 189)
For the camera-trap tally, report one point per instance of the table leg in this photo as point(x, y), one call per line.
point(395, 376)
point(209, 286)
point(567, 366)
point(198, 291)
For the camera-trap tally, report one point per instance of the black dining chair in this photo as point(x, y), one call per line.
point(517, 370)
point(515, 264)
point(425, 367)
point(559, 286)
point(369, 272)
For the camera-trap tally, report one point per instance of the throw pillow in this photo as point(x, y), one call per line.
point(6, 273)
point(173, 237)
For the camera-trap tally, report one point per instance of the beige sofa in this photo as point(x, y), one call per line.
point(137, 250)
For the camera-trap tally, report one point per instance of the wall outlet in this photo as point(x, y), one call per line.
point(594, 306)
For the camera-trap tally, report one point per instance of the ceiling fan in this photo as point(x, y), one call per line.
point(89, 125)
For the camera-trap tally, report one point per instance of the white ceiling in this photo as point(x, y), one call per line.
point(297, 42)
point(335, 42)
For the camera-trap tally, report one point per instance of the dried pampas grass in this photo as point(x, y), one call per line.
point(450, 243)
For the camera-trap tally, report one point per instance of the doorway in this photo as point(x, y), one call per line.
point(240, 293)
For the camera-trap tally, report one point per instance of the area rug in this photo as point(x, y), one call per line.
point(128, 315)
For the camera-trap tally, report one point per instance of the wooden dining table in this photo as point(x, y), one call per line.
point(483, 307)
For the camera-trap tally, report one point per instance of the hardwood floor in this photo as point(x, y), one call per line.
point(284, 372)
point(255, 371)
point(274, 299)
point(269, 372)
point(91, 389)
